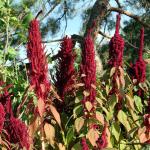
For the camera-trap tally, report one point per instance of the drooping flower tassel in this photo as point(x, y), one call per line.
point(139, 68)
point(18, 133)
point(88, 70)
point(116, 47)
point(65, 72)
point(2, 117)
point(38, 71)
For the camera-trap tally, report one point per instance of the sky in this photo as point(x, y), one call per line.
point(73, 27)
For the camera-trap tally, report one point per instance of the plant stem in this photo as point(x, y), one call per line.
point(42, 134)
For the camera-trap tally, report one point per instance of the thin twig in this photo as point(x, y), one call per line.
point(49, 11)
point(137, 18)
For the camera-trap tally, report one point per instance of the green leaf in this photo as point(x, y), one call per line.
point(77, 111)
point(112, 101)
point(70, 135)
point(27, 18)
point(88, 106)
point(116, 130)
point(122, 117)
point(79, 122)
point(77, 146)
point(1, 4)
point(138, 103)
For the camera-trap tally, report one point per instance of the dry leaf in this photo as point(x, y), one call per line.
point(61, 146)
point(130, 101)
point(147, 60)
point(50, 133)
point(93, 136)
point(41, 106)
point(55, 114)
point(100, 117)
point(117, 82)
point(112, 71)
point(86, 94)
point(33, 127)
point(93, 86)
point(55, 93)
point(88, 106)
point(79, 85)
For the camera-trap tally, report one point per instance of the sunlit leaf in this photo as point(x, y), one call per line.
point(88, 106)
point(50, 133)
point(112, 71)
point(122, 117)
point(116, 130)
point(93, 136)
point(138, 103)
point(100, 117)
point(79, 122)
point(130, 102)
point(41, 106)
point(55, 114)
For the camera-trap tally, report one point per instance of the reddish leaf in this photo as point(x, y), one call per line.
point(55, 114)
point(41, 106)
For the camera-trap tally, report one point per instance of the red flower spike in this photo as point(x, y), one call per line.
point(65, 72)
point(18, 133)
point(116, 47)
point(84, 144)
point(88, 69)
point(5, 100)
point(38, 71)
point(2, 117)
point(139, 68)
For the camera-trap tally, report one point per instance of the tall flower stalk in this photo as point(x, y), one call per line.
point(88, 77)
point(139, 68)
point(116, 48)
point(38, 71)
point(88, 70)
point(65, 72)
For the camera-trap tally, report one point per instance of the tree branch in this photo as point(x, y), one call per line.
point(103, 34)
point(137, 18)
point(98, 12)
point(118, 3)
point(49, 11)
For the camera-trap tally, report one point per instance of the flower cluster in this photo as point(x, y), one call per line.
point(65, 71)
point(17, 131)
point(116, 47)
point(88, 69)
point(139, 68)
point(84, 144)
point(2, 117)
point(38, 71)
